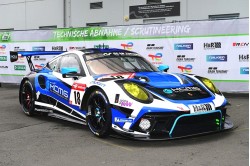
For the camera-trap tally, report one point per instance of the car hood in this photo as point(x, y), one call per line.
point(169, 86)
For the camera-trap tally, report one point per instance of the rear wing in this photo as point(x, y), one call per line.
point(29, 54)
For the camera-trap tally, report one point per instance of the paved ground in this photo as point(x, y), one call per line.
point(43, 141)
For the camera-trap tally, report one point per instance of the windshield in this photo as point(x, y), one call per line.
point(99, 64)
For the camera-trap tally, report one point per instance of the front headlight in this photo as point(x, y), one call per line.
point(136, 92)
point(209, 84)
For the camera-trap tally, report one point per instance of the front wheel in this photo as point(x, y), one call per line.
point(99, 113)
point(27, 97)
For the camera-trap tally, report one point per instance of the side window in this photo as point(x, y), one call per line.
point(71, 60)
point(53, 65)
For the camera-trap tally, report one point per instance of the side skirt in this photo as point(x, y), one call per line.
point(54, 111)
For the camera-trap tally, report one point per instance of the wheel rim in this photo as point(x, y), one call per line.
point(27, 97)
point(97, 110)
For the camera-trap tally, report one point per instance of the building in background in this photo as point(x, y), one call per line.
point(44, 14)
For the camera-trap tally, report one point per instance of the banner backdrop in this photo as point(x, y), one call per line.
point(214, 49)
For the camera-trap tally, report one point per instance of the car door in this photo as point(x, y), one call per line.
point(59, 85)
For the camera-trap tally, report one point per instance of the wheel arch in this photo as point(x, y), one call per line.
point(31, 80)
point(87, 94)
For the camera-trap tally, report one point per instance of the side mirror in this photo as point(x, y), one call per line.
point(163, 68)
point(69, 72)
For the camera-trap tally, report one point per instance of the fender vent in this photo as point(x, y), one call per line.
point(41, 81)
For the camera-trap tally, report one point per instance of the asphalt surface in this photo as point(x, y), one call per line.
point(44, 141)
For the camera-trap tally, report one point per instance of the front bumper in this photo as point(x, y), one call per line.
point(178, 125)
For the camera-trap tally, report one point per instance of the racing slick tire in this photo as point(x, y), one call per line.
point(99, 114)
point(27, 98)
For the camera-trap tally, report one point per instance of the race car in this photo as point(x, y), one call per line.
point(119, 91)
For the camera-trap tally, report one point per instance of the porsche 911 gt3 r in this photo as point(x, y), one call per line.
point(118, 90)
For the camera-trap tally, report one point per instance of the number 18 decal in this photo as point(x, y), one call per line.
point(76, 93)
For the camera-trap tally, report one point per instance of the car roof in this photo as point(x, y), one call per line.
point(105, 50)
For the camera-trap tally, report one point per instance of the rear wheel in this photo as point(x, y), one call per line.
point(27, 98)
point(99, 113)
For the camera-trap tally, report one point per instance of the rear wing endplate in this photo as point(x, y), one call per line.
point(29, 54)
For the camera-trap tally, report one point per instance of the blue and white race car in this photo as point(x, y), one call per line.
point(115, 90)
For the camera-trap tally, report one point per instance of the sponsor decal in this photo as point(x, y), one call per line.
point(58, 90)
point(18, 49)
point(212, 45)
point(182, 58)
point(183, 46)
point(123, 120)
point(127, 46)
point(71, 48)
point(3, 67)
point(244, 70)
point(243, 58)
point(79, 86)
point(117, 76)
point(38, 48)
point(154, 47)
point(215, 70)
point(197, 108)
point(101, 46)
point(3, 58)
point(57, 48)
point(167, 91)
point(216, 58)
point(117, 96)
point(97, 83)
point(38, 58)
point(186, 89)
point(125, 103)
point(43, 110)
point(188, 68)
point(20, 67)
point(156, 58)
point(240, 44)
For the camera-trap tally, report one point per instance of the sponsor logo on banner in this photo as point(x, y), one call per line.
point(187, 69)
point(71, 48)
point(183, 46)
point(3, 49)
point(154, 47)
point(20, 67)
point(18, 49)
point(6, 36)
point(182, 58)
point(127, 46)
point(215, 70)
point(240, 44)
point(3, 58)
point(216, 58)
point(39, 66)
point(156, 58)
point(243, 58)
point(38, 48)
point(244, 70)
point(20, 59)
point(101, 46)
point(3, 67)
point(38, 58)
point(57, 48)
point(212, 45)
